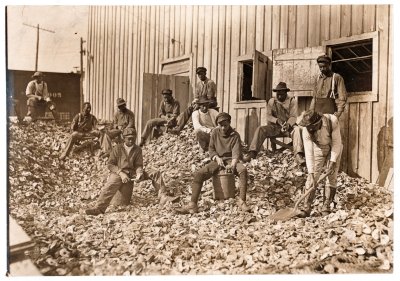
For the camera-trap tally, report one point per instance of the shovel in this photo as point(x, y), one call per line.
point(288, 213)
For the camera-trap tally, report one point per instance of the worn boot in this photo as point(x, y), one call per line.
point(164, 198)
point(191, 208)
point(242, 205)
point(329, 195)
point(94, 212)
point(251, 155)
point(306, 211)
point(300, 159)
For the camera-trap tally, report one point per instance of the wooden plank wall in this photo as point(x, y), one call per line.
point(125, 41)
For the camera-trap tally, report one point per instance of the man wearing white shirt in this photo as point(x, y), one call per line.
point(322, 147)
point(204, 122)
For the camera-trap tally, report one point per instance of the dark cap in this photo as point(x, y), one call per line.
point(309, 117)
point(324, 59)
point(222, 116)
point(166, 92)
point(37, 74)
point(281, 87)
point(203, 100)
point(120, 101)
point(201, 69)
point(129, 132)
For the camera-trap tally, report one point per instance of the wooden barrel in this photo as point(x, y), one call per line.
point(224, 185)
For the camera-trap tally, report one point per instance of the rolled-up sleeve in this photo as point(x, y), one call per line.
point(342, 93)
point(270, 117)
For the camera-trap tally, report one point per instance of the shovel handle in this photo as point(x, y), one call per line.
point(321, 178)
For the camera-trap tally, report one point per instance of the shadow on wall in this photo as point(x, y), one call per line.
point(385, 151)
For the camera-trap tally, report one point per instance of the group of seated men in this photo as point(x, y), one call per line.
point(316, 140)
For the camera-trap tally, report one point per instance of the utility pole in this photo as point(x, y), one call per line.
point(37, 41)
point(82, 52)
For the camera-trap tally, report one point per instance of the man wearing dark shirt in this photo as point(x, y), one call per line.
point(225, 150)
point(169, 110)
point(83, 125)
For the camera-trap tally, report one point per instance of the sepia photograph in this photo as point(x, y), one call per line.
point(199, 140)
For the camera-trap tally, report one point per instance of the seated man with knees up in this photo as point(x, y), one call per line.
point(281, 117)
point(83, 126)
point(169, 110)
point(38, 97)
point(323, 147)
point(126, 164)
point(123, 118)
point(204, 122)
point(225, 149)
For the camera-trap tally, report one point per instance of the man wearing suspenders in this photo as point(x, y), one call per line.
point(330, 92)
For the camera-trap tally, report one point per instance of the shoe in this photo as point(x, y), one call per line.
point(325, 210)
point(94, 212)
point(174, 131)
point(251, 155)
point(300, 159)
point(243, 206)
point(304, 213)
point(62, 157)
point(165, 198)
point(191, 208)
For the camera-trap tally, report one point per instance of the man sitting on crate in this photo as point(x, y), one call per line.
point(38, 98)
point(225, 149)
point(281, 117)
point(126, 165)
point(323, 147)
point(123, 118)
point(83, 126)
point(204, 121)
point(169, 111)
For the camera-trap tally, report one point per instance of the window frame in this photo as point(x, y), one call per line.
point(366, 96)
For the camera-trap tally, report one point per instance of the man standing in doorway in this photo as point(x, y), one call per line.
point(204, 88)
point(38, 97)
point(330, 94)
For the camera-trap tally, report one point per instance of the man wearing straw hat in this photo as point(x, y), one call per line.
point(38, 97)
point(204, 121)
point(281, 117)
point(225, 152)
point(323, 147)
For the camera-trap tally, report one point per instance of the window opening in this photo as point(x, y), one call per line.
point(247, 92)
point(354, 62)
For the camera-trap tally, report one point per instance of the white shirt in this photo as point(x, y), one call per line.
point(204, 121)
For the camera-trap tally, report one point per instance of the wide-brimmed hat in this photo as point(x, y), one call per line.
point(324, 58)
point(281, 87)
point(129, 132)
point(201, 69)
point(203, 100)
point(166, 92)
point(222, 116)
point(120, 101)
point(308, 118)
point(37, 74)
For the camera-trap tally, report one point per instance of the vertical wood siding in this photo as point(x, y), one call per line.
point(126, 41)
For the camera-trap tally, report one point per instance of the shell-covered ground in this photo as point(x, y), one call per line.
point(47, 198)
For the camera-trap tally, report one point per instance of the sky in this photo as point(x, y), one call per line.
point(58, 51)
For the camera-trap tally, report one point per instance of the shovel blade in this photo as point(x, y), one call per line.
point(285, 214)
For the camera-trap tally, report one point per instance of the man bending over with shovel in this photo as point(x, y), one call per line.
point(323, 147)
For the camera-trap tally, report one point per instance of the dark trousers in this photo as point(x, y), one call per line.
point(212, 168)
point(77, 136)
point(150, 125)
point(273, 130)
point(38, 107)
point(114, 183)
